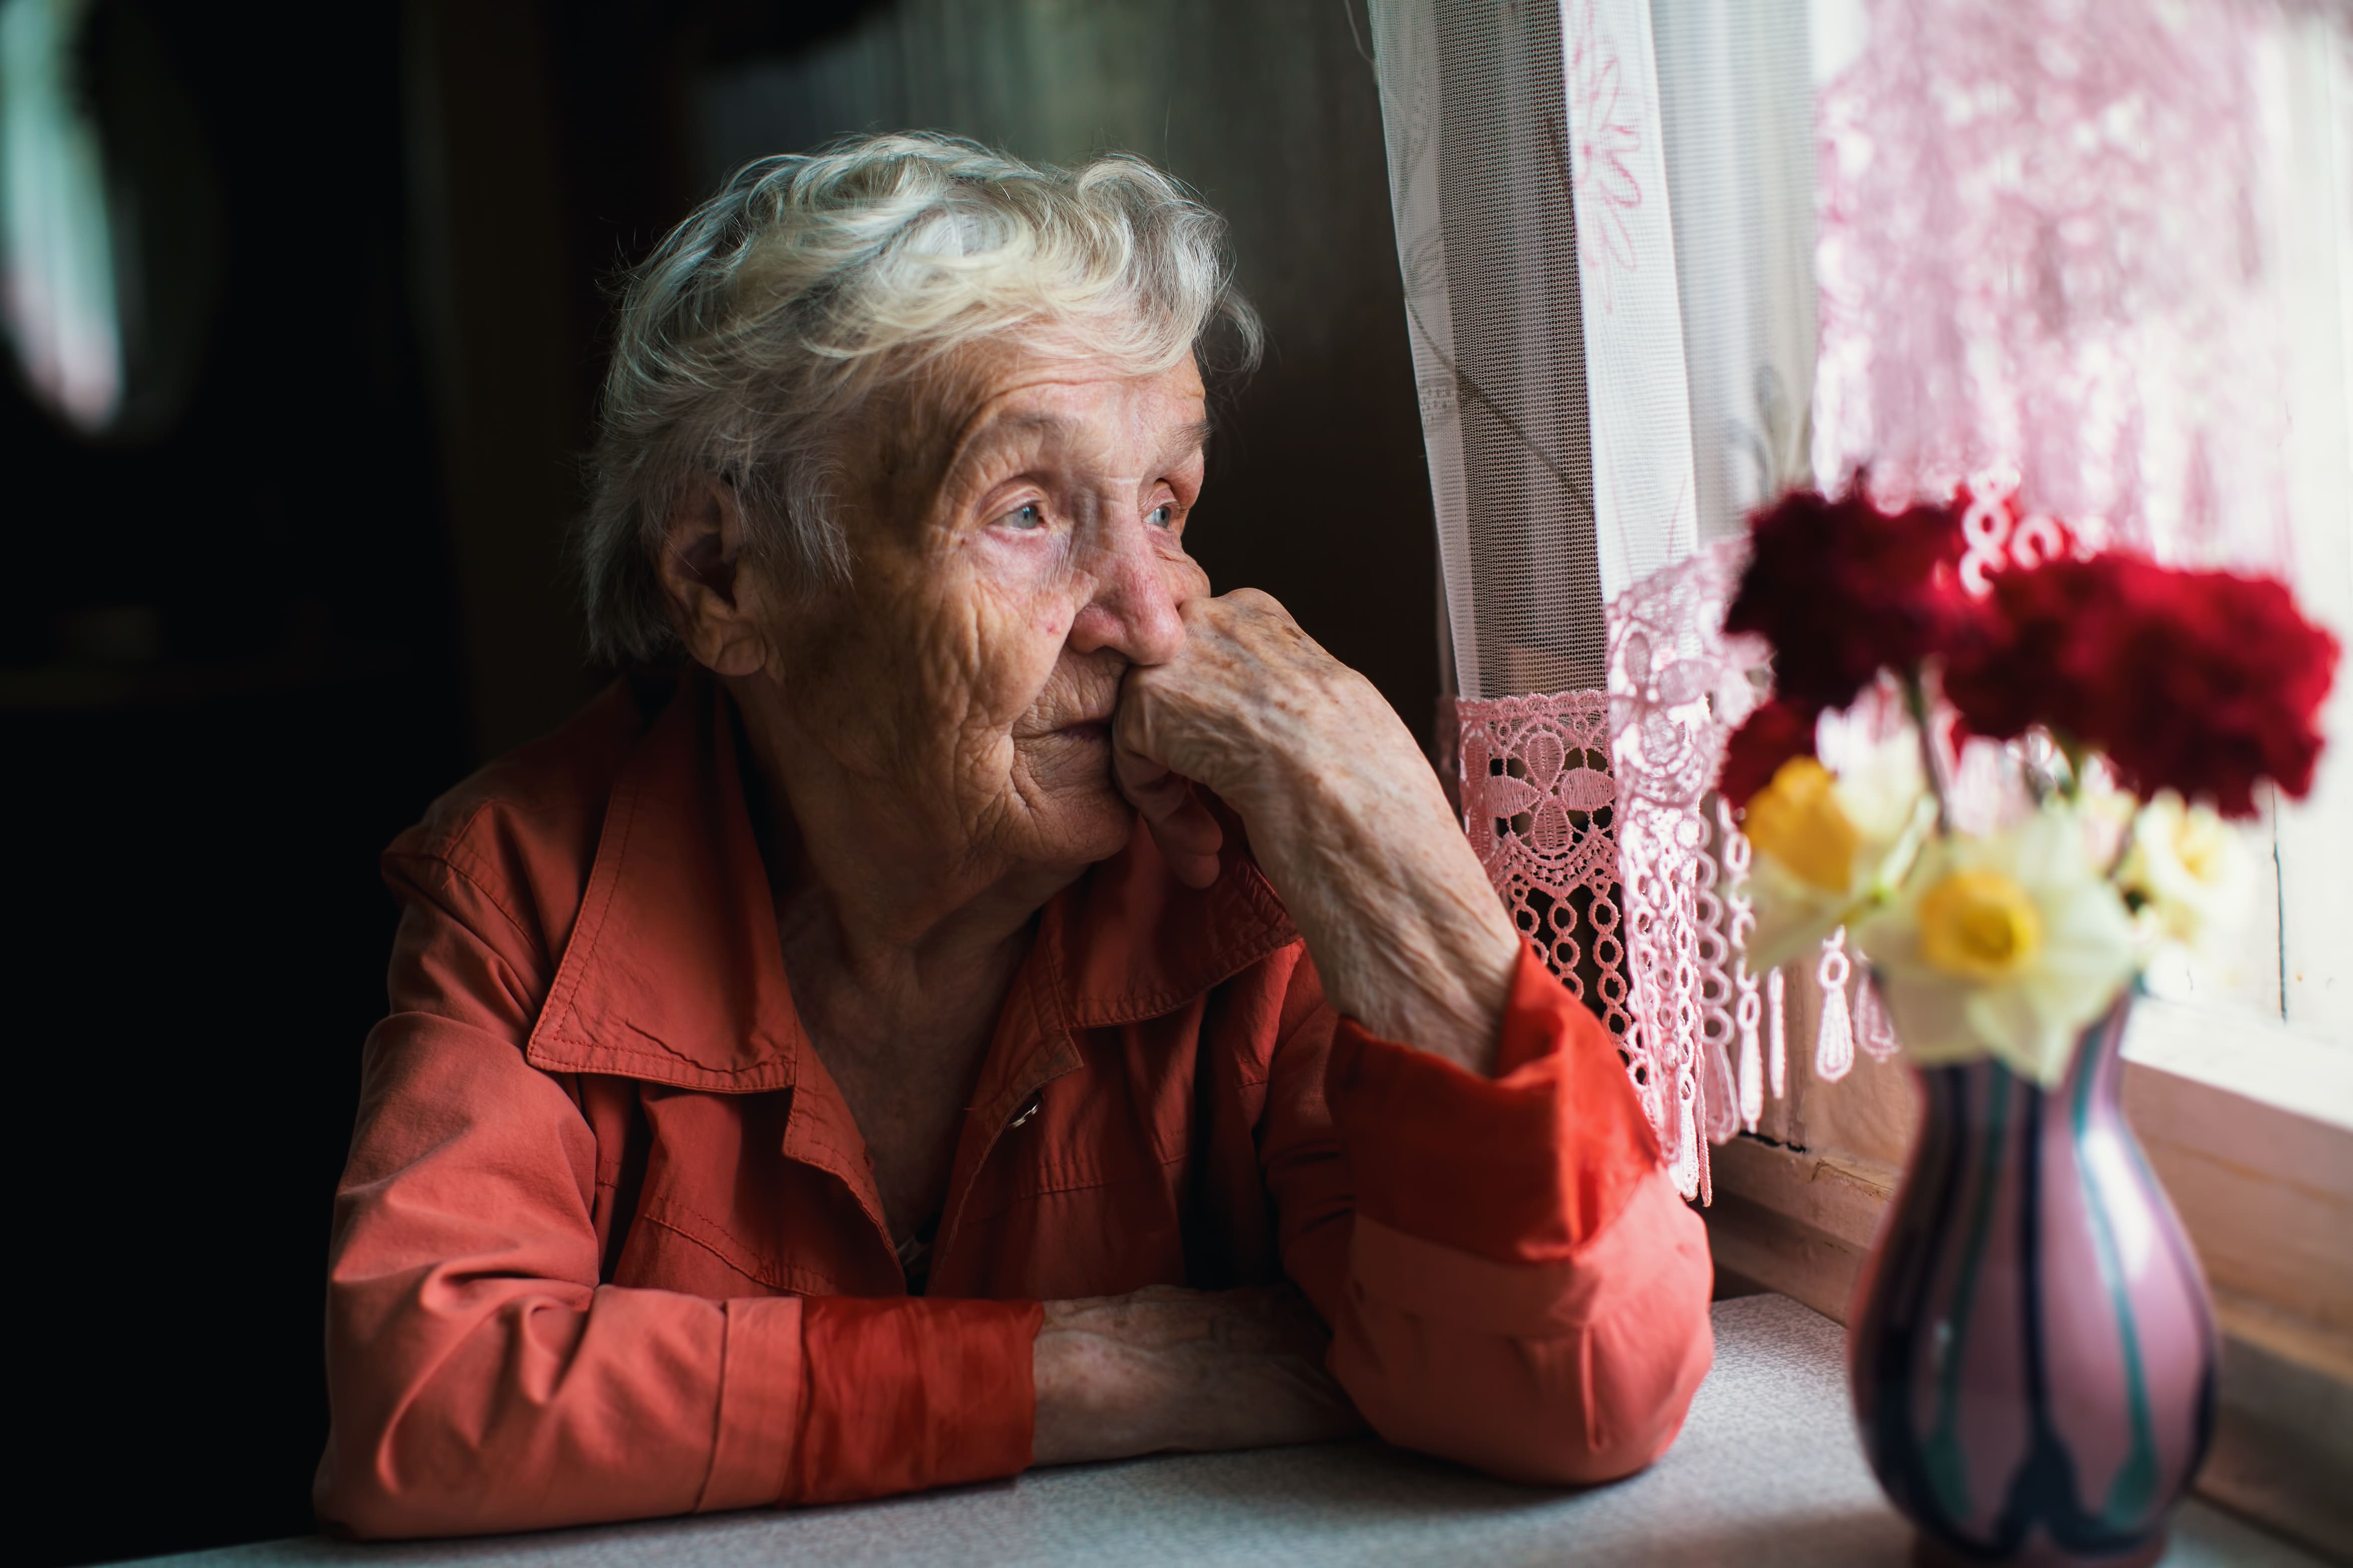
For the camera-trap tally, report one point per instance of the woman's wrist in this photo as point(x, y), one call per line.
point(1164, 1368)
point(1091, 1404)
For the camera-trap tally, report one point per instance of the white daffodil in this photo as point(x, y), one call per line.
point(2008, 945)
point(2186, 872)
point(1827, 848)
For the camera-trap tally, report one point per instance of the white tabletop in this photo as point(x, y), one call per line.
point(1767, 1471)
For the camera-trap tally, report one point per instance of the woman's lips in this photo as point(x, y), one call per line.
point(1088, 729)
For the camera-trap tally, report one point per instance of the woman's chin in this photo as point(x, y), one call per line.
point(1074, 815)
point(1080, 833)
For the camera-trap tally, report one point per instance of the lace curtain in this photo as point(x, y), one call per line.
point(2044, 267)
point(1579, 467)
point(1663, 262)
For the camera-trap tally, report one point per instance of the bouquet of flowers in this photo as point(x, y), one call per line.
point(2101, 714)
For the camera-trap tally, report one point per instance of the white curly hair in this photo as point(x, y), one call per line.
point(763, 325)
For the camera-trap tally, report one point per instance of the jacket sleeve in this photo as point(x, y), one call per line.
point(1510, 1277)
point(479, 1375)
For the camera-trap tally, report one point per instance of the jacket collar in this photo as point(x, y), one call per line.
point(674, 975)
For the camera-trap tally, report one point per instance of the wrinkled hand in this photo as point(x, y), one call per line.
point(1194, 1370)
point(1345, 818)
point(1251, 700)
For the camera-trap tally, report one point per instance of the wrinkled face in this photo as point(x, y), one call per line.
point(1021, 546)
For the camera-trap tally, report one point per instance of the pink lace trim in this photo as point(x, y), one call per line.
point(1538, 803)
point(1594, 814)
point(1678, 688)
point(1591, 811)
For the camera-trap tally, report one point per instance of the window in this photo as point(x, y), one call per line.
point(56, 235)
point(1760, 135)
point(111, 255)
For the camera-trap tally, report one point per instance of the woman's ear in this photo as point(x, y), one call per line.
point(715, 605)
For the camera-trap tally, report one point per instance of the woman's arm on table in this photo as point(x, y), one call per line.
point(1468, 1190)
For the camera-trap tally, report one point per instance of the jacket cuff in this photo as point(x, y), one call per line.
point(760, 1390)
point(1658, 1255)
point(908, 1394)
point(1524, 1167)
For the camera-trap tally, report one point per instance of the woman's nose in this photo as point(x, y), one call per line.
point(1133, 609)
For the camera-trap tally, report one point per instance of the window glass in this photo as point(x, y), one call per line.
point(111, 219)
point(56, 242)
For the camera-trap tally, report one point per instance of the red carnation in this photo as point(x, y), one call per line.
point(1772, 735)
point(1841, 590)
point(2201, 682)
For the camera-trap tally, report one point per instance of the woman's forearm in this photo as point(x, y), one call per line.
point(1404, 926)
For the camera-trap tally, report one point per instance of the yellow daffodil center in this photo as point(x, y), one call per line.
point(1797, 819)
point(1980, 925)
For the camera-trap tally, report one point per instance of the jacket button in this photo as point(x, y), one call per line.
point(1028, 1109)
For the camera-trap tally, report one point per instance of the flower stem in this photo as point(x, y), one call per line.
point(1932, 760)
point(2075, 754)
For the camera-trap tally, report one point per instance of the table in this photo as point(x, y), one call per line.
point(1766, 1472)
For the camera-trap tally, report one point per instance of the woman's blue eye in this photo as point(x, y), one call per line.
point(1162, 516)
point(1027, 516)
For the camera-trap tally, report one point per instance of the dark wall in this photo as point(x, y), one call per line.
point(229, 674)
point(241, 651)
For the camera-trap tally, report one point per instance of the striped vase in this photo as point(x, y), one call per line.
point(2033, 1349)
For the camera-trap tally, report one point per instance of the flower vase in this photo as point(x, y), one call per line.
point(2033, 1351)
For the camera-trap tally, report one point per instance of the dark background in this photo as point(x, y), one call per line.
point(245, 643)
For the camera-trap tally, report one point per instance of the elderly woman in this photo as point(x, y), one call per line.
point(986, 1001)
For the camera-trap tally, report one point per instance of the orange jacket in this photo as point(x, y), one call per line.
point(607, 1245)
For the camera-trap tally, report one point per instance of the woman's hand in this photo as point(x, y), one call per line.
point(1345, 816)
point(1194, 1370)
